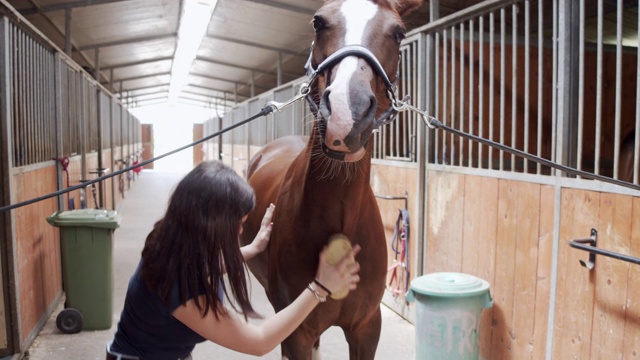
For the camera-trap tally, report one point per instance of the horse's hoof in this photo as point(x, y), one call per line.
point(339, 246)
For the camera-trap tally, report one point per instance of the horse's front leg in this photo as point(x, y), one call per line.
point(363, 339)
point(301, 344)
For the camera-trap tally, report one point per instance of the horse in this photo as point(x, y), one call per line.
point(320, 184)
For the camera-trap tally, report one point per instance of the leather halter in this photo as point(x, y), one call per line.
point(362, 52)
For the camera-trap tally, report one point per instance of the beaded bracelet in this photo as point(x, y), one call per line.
point(316, 293)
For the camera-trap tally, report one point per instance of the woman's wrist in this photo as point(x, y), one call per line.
point(320, 294)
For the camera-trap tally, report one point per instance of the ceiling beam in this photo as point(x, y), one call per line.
point(68, 5)
point(253, 44)
point(231, 97)
point(287, 7)
point(128, 41)
point(215, 62)
point(225, 80)
point(115, 81)
point(136, 63)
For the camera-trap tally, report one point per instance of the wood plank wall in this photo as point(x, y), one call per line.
point(147, 144)
point(502, 231)
point(198, 150)
point(598, 311)
point(37, 248)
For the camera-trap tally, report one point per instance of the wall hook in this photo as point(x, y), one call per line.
point(591, 263)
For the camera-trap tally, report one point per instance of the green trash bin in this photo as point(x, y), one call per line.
point(448, 308)
point(86, 242)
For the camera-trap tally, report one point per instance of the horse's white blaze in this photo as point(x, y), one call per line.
point(357, 14)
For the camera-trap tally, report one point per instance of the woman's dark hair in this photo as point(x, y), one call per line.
point(197, 239)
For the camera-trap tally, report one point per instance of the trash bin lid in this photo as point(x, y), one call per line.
point(449, 284)
point(108, 219)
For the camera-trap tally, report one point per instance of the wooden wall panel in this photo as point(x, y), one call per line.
point(576, 286)
point(147, 144)
point(198, 150)
point(502, 342)
point(107, 185)
point(479, 250)
point(445, 222)
point(544, 268)
point(631, 342)
point(506, 239)
point(397, 181)
point(37, 248)
point(611, 275)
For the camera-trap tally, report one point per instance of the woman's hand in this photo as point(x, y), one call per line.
point(261, 240)
point(341, 276)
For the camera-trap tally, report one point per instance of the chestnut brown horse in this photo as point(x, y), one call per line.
point(320, 184)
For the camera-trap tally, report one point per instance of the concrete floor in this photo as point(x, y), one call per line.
point(144, 205)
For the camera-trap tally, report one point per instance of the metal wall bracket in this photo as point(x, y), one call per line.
point(593, 251)
point(592, 241)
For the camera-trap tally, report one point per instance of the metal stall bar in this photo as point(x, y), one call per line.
point(10, 319)
point(636, 146)
point(599, 62)
point(481, 91)
point(581, 39)
point(491, 85)
point(503, 26)
point(471, 89)
point(618, 99)
point(514, 81)
point(540, 83)
point(527, 80)
point(452, 137)
point(461, 140)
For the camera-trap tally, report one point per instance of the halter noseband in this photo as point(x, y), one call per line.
point(362, 52)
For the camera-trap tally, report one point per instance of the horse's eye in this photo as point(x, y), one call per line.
point(399, 35)
point(318, 24)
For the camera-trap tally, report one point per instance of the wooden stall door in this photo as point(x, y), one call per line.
point(500, 231)
point(597, 311)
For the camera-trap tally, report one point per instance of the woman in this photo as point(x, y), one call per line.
point(175, 297)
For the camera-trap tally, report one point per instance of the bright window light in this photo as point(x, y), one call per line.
point(193, 27)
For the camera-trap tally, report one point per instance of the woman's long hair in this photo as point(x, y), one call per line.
point(197, 239)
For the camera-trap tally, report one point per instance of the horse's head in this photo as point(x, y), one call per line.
point(355, 63)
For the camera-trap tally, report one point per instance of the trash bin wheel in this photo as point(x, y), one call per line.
point(69, 321)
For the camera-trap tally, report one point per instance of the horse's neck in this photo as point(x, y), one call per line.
point(334, 176)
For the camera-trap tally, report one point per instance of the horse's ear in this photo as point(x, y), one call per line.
point(404, 7)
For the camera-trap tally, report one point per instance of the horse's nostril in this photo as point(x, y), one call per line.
point(337, 142)
point(325, 100)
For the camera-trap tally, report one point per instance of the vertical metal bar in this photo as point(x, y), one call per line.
point(481, 45)
point(527, 80)
point(471, 89)
point(491, 84)
point(567, 72)
point(462, 99)
point(29, 101)
point(453, 96)
point(554, 115)
point(636, 147)
point(279, 69)
point(596, 166)
point(540, 82)
point(11, 305)
point(437, 79)
point(514, 81)
point(445, 92)
point(503, 26)
point(616, 142)
point(581, 88)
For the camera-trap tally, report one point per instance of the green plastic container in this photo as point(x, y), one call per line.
point(448, 308)
point(86, 241)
